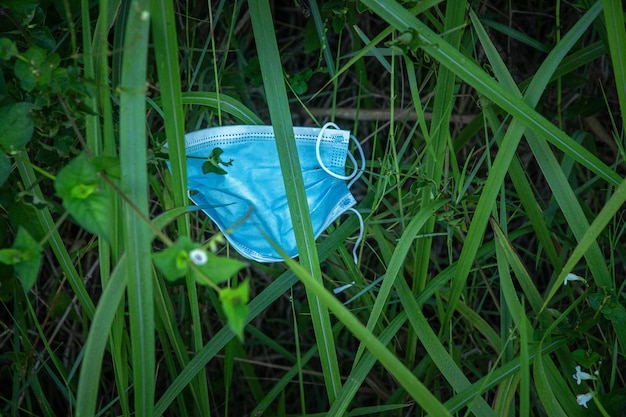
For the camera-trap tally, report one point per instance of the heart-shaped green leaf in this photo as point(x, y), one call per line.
point(84, 196)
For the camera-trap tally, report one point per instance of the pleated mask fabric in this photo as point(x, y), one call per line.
point(234, 171)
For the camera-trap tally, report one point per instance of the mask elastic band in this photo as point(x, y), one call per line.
point(358, 171)
point(358, 239)
point(355, 175)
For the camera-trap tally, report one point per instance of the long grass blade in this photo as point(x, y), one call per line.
point(271, 70)
point(166, 47)
point(614, 18)
point(134, 183)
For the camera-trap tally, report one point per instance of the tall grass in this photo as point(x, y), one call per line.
point(493, 257)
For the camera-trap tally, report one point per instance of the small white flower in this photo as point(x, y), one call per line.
point(580, 375)
point(582, 399)
point(573, 277)
point(198, 256)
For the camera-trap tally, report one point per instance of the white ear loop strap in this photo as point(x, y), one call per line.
point(355, 249)
point(355, 175)
point(358, 171)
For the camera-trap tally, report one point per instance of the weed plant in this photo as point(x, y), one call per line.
point(490, 280)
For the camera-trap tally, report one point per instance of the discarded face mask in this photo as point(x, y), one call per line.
point(235, 173)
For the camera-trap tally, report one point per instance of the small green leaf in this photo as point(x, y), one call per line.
point(83, 194)
point(212, 165)
point(11, 256)
point(173, 262)
point(25, 256)
point(585, 358)
point(7, 49)
point(83, 191)
point(17, 126)
point(21, 10)
point(610, 307)
point(299, 82)
point(35, 68)
point(220, 269)
point(407, 41)
point(235, 304)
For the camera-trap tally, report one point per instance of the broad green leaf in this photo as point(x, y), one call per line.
point(17, 126)
point(235, 304)
point(83, 194)
point(27, 69)
point(610, 307)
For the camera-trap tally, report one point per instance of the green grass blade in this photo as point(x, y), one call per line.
point(134, 183)
point(570, 206)
point(89, 379)
point(398, 258)
point(224, 102)
point(444, 362)
point(616, 34)
point(544, 390)
point(498, 376)
point(514, 262)
point(166, 56)
point(404, 376)
point(321, 34)
point(273, 81)
point(363, 369)
point(590, 236)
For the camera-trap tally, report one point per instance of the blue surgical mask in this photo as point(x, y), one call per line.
point(235, 171)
